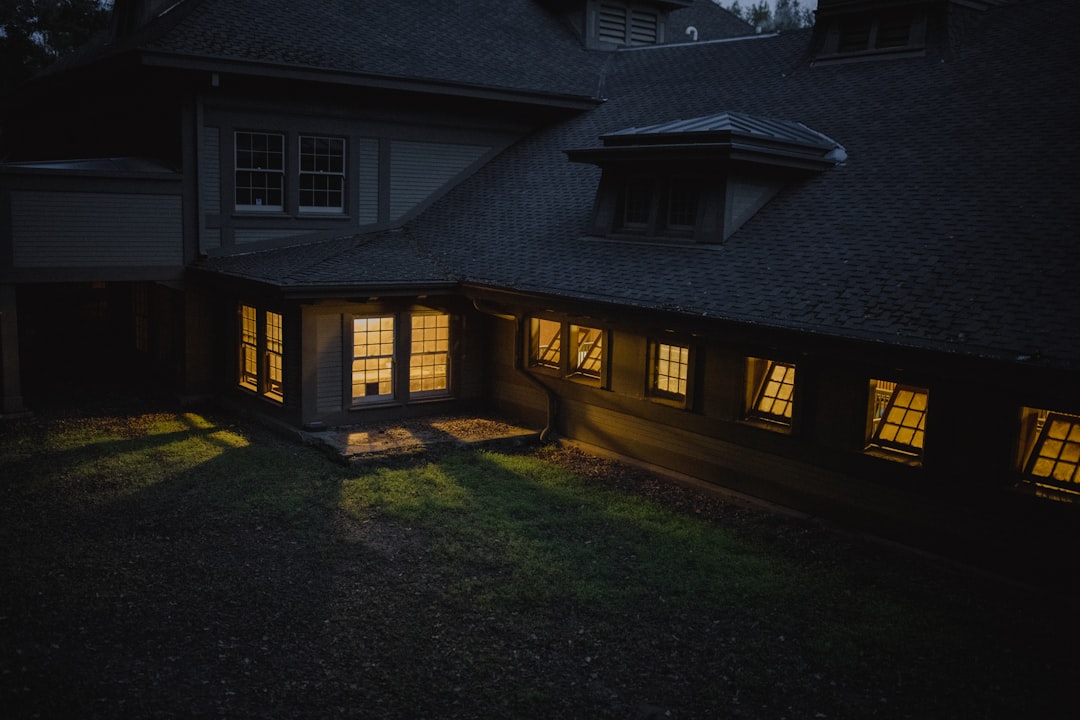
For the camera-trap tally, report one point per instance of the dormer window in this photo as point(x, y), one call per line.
point(698, 180)
point(871, 29)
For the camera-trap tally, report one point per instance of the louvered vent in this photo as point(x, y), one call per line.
point(622, 25)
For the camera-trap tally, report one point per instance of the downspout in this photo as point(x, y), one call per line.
point(519, 365)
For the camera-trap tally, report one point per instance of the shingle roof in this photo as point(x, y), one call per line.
point(951, 225)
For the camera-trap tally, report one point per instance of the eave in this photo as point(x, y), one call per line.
point(309, 74)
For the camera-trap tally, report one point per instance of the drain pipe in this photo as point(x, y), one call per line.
point(519, 365)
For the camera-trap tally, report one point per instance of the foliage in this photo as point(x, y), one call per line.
point(788, 15)
point(34, 33)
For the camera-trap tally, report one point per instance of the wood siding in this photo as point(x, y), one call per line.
point(86, 230)
point(329, 372)
point(418, 170)
point(210, 189)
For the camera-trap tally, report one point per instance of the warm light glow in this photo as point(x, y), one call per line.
point(249, 348)
point(373, 357)
point(670, 369)
point(899, 418)
point(775, 393)
point(430, 359)
point(1053, 450)
point(545, 338)
point(589, 343)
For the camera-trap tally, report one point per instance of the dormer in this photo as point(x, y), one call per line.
point(698, 180)
point(611, 24)
point(850, 30)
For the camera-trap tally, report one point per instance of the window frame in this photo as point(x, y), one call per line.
point(377, 398)
point(892, 413)
point(757, 389)
point(253, 168)
point(443, 346)
point(1037, 434)
point(654, 364)
point(339, 175)
point(662, 189)
point(570, 362)
point(261, 345)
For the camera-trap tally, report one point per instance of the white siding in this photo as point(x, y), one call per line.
point(328, 373)
point(79, 229)
point(367, 205)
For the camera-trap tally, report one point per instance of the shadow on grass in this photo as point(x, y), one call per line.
point(162, 565)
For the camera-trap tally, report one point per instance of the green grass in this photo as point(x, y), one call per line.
point(161, 563)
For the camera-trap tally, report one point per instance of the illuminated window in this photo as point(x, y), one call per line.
point(545, 343)
point(249, 348)
point(274, 350)
point(262, 353)
point(1050, 449)
point(898, 420)
point(373, 358)
point(771, 390)
point(260, 170)
point(429, 361)
point(573, 351)
point(588, 351)
point(669, 374)
point(322, 174)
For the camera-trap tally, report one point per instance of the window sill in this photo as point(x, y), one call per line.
point(893, 456)
point(771, 425)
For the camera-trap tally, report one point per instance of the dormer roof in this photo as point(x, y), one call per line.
point(728, 135)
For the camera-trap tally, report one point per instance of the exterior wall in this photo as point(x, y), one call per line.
point(324, 378)
point(79, 226)
point(962, 494)
point(395, 166)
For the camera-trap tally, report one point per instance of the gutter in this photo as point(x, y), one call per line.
point(519, 365)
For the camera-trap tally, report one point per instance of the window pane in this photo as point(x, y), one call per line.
point(373, 358)
point(249, 348)
point(898, 422)
point(670, 370)
point(275, 388)
point(260, 170)
point(773, 386)
point(589, 345)
point(429, 361)
point(322, 173)
point(545, 343)
point(1053, 450)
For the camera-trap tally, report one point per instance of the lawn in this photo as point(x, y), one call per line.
point(164, 564)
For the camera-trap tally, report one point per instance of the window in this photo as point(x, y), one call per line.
point(770, 386)
point(1050, 450)
point(429, 361)
point(584, 355)
point(862, 34)
point(897, 420)
point(588, 349)
point(664, 206)
point(249, 348)
point(261, 352)
point(260, 170)
point(669, 371)
point(274, 349)
point(624, 23)
point(545, 343)
point(373, 358)
point(322, 174)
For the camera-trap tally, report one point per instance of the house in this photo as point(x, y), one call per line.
point(835, 268)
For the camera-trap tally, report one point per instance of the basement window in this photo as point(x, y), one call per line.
point(1050, 452)
point(896, 425)
point(770, 392)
